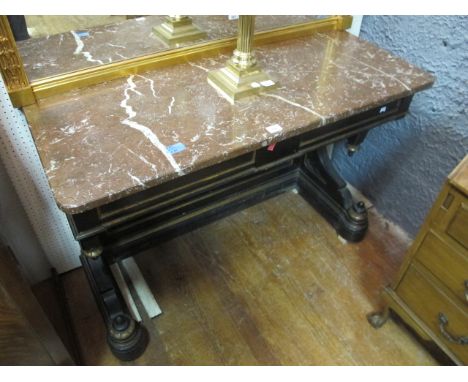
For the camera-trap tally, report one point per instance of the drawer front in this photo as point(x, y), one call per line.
point(356, 123)
point(458, 226)
point(451, 217)
point(446, 263)
point(445, 318)
point(141, 201)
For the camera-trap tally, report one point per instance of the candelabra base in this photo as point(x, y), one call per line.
point(235, 83)
point(174, 32)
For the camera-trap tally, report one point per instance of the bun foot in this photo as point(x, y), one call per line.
point(378, 319)
point(127, 339)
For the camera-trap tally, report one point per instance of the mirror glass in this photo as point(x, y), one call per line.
point(54, 45)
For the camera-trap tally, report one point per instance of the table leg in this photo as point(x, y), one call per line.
point(126, 338)
point(322, 186)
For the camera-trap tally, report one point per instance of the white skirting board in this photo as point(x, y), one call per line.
point(130, 279)
point(140, 286)
point(125, 290)
point(21, 161)
point(356, 25)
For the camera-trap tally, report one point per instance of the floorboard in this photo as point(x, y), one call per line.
point(271, 285)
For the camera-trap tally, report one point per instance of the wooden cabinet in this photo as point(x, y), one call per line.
point(26, 335)
point(431, 290)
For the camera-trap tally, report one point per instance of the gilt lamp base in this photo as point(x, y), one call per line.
point(176, 31)
point(234, 83)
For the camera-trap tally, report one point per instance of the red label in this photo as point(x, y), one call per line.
point(271, 147)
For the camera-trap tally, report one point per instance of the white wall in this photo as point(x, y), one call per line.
point(403, 164)
point(23, 172)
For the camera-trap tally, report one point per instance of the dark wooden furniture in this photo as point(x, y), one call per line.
point(135, 161)
point(431, 290)
point(26, 335)
point(129, 225)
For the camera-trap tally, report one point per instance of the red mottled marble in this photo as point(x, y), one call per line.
point(110, 140)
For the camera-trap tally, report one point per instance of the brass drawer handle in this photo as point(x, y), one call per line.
point(466, 290)
point(443, 323)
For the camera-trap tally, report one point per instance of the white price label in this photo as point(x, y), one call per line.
point(267, 83)
point(273, 129)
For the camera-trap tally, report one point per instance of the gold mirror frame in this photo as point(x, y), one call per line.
point(23, 93)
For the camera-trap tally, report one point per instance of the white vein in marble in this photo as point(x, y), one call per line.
point(80, 47)
point(147, 132)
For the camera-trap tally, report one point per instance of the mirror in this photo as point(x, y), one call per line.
point(54, 45)
point(60, 53)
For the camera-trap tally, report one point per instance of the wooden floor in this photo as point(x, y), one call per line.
point(271, 285)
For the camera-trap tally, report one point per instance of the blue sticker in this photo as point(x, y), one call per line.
point(83, 34)
point(176, 148)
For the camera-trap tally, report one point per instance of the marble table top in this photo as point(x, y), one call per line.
point(80, 49)
point(114, 139)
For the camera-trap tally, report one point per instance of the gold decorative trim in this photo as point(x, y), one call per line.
point(58, 84)
point(11, 67)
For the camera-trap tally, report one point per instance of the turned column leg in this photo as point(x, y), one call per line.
point(322, 186)
point(126, 338)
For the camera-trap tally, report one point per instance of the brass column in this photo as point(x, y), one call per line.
point(242, 76)
point(243, 56)
point(178, 29)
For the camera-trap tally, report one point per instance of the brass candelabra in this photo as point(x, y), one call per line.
point(242, 76)
point(178, 29)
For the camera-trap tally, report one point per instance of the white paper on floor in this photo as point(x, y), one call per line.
point(141, 287)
